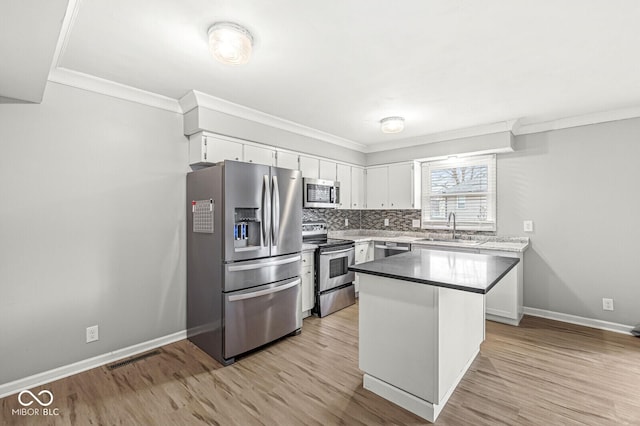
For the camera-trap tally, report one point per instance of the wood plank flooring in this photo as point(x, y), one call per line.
point(541, 373)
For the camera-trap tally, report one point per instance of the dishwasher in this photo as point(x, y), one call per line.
point(389, 248)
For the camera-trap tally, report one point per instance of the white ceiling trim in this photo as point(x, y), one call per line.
point(485, 129)
point(69, 18)
point(575, 121)
point(111, 88)
point(195, 99)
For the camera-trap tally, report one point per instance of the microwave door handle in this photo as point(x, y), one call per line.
point(275, 215)
point(266, 209)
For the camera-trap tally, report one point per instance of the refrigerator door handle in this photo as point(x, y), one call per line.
point(275, 216)
point(236, 268)
point(266, 209)
point(259, 293)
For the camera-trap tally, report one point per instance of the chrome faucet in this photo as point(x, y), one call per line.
point(453, 237)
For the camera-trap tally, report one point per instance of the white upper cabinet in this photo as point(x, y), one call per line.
point(395, 186)
point(309, 167)
point(400, 186)
point(206, 149)
point(377, 187)
point(327, 170)
point(287, 160)
point(357, 188)
point(343, 176)
point(259, 155)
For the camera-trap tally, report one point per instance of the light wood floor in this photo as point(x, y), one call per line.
point(541, 373)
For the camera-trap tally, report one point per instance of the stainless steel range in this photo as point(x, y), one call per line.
point(334, 287)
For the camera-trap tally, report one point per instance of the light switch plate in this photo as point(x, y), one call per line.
point(386, 222)
point(415, 223)
point(528, 226)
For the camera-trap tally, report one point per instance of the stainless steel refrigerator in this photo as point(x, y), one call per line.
point(243, 257)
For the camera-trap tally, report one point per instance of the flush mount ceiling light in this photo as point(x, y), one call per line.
point(230, 43)
point(392, 125)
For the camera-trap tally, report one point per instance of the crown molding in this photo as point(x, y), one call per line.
point(195, 99)
point(113, 89)
point(63, 39)
point(485, 129)
point(578, 120)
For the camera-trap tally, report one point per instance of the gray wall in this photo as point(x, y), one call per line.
point(580, 187)
point(92, 228)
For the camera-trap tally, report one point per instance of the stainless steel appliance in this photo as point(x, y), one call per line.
point(319, 193)
point(389, 248)
point(334, 287)
point(243, 257)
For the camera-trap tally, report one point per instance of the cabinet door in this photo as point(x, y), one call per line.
point(344, 177)
point(357, 188)
point(307, 289)
point(377, 184)
point(205, 149)
point(327, 170)
point(287, 160)
point(400, 186)
point(370, 251)
point(309, 167)
point(504, 301)
point(361, 252)
point(258, 155)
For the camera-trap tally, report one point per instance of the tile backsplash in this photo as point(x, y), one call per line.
point(399, 220)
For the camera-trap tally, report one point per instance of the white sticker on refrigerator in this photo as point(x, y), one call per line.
point(202, 216)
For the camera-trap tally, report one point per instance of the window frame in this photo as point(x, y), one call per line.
point(490, 224)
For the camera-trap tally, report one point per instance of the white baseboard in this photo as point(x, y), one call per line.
point(573, 319)
point(16, 386)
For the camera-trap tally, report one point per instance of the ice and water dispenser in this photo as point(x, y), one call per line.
point(246, 228)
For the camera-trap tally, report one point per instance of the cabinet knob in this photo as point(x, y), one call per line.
point(382, 204)
point(236, 158)
point(251, 161)
point(392, 204)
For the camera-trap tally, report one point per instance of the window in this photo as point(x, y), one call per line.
point(464, 186)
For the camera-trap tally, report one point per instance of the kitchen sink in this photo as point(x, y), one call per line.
point(449, 240)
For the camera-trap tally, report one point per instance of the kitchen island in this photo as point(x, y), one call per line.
point(422, 322)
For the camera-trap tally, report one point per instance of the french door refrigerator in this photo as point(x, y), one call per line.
point(244, 240)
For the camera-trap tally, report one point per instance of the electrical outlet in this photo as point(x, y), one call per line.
point(528, 226)
point(92, 334)
point(415, 223)
point(607, 304)
point(346, 222)
point(386, 222)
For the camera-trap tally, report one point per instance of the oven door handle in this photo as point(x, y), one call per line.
point(337, 251)
point(259, 293)
point(399, 248)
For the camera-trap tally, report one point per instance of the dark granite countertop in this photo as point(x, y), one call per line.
point(476, 273)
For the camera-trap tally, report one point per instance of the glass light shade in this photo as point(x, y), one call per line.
point(230, 43)
point(392, 125)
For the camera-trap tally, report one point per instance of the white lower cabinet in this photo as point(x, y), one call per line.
point(505, 300)
point(364, 253)
point(308, 282)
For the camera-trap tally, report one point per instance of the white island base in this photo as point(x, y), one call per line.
point(417, 340)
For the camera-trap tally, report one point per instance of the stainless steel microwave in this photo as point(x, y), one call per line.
point(320, 194)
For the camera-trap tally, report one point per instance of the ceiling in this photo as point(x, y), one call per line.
point(340, 66)
point(25, 54)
